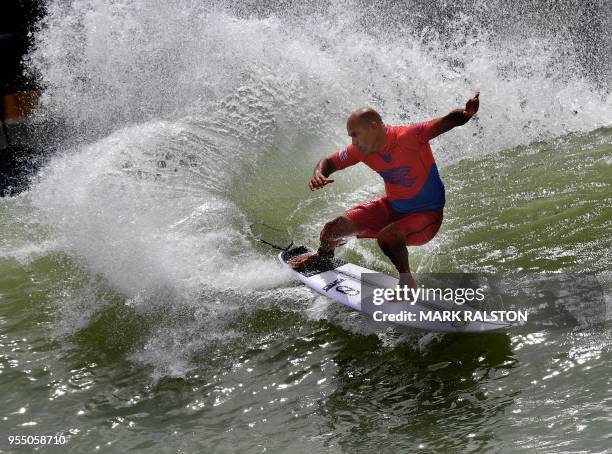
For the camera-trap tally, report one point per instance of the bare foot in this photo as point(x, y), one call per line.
point(406, 279)
point(305, 260)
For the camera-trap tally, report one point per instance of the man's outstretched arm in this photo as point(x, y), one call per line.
point(457, 117)
point(323, 169)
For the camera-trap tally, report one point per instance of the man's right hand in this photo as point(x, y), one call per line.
point(318, 181)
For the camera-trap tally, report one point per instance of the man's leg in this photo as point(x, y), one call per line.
point(392, 241)
point(411, 230)
point(365, 220)
point(334, 231)
point(330, 236)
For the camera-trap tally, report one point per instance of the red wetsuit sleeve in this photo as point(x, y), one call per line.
point(424, 131)
point(342, 159)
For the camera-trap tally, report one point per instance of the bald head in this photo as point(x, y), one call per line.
point(364, 115)
point(367, 130)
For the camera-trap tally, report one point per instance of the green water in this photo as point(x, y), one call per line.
point(290, 373)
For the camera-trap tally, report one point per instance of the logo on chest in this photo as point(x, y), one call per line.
point(400, 176)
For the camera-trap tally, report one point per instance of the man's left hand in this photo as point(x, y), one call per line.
point(471, 107)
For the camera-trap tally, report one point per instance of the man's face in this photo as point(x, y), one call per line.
point(363, 134)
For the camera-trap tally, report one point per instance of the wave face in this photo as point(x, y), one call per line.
point(541, 70)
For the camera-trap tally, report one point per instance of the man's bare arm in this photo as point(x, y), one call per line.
point(323, 169)
point(457, 117)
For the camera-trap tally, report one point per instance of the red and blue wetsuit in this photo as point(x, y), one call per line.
point(415, 196)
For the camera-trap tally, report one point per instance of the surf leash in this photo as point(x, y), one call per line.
point(275, 246)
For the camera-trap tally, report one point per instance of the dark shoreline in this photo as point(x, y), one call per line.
point(19, 156)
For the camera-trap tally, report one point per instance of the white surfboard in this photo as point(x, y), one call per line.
point(342, 282)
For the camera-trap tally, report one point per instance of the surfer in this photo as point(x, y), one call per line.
point(411, 212)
